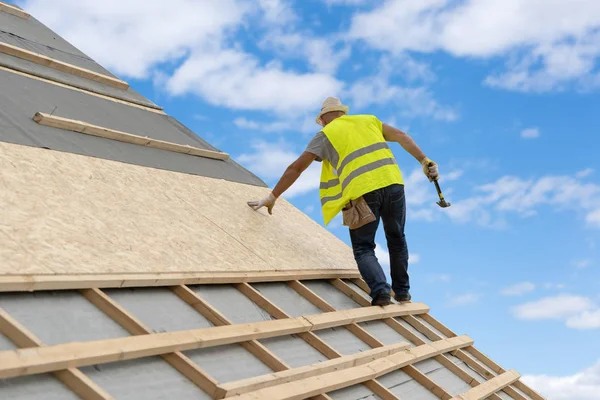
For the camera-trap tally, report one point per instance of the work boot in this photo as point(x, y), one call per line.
point(382, 299)
point(402, 298)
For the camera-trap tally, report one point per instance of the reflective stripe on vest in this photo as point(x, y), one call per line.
point(365, 162)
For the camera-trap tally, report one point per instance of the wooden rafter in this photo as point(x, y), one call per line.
point(490, 387)
point(61, 66)
point(99, 131)
point(73, 378)
point(405, 332)
point(347, 361)
point(218, 319)
point(310, 337)
point(177, 359)
point(52, 358)
point(346, 377)
point(28, 283)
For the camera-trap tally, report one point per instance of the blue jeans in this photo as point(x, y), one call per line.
point(388, 204)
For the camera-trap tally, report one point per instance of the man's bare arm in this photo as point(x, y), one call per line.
point(293, 172)
point(392, 134)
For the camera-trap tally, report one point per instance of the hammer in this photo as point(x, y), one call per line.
point(442, 203)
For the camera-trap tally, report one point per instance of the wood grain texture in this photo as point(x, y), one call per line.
point(74, 354)
point(177, 360)
point(71, 214)
point(9, 9)
point(61, 66)
point(99, 131)
point(323, 383)
point(492, 386)
point(28, 283)
point(73, 378)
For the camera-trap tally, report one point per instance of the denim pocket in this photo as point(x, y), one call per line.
point(396, 193)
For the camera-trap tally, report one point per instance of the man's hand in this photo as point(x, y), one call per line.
point(430, 169)
point(268, 202)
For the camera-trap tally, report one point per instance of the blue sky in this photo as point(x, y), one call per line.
point(503, 94)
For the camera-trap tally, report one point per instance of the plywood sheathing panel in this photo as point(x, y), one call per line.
point(80, 215)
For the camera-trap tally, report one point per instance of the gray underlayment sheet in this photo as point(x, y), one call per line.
point(21, 97)
point(160, 310)
point(34, 36)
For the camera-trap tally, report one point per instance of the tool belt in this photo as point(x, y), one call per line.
point(357, 213)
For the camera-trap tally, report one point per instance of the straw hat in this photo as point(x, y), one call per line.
point(331, 104)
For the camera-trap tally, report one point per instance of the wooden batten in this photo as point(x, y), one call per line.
point(94, 130)
point(7, 8)
point(348, 361)
point(490, 387)
point(218, 319)
point(52, 358)
point(61, 66)
point(29, 283)
point(343, 378)
point(177, 359)
point(73, 378)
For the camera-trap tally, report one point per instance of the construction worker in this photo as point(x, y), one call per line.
point(356, 161)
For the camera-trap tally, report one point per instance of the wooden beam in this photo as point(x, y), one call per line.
point(218, 319)
point(405, 332)
point(52, 358)
point(309, 337)
point(490, 387)
point(343, 378)
point(99, 131)
point(426, 382)
point(177, 360)
point(9, 9)
point(74, 379)
point(372, 341)
point(29, 283)
point(318, 302)
point(61, 66)
point(37, 77)
point(312, 339)
point(381, 391)
point(348, 361)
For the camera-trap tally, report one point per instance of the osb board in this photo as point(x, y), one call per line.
point(70, 214)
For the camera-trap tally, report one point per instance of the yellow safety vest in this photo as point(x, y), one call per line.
point(365, 162)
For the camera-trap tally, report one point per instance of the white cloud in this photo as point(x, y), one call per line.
point(576, 311)
point(553, 286)
point(382, 254)
point(584, 173)
point(585, 320)
point(518, 289)
point(530, 133)
point(276, 126)
point(414, 101)
point(463, 300)
point(511, 194)
point(546, 43)
point(584, 385)
point(439, 278)
point(237, 80)
point(558, 307)
point(414, 258)
point(581, 264)
point(593, 218)
point(132, 37)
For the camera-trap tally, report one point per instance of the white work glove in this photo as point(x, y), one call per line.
point(430, 169)
point(268, 202)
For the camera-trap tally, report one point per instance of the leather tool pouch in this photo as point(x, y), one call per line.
point(357, 213)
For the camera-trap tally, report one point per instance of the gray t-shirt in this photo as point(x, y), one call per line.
point(323, 149)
